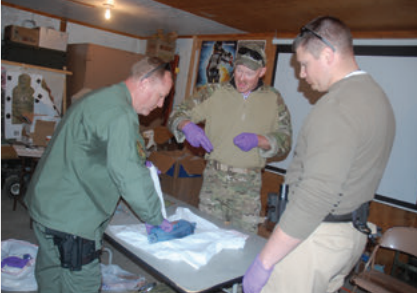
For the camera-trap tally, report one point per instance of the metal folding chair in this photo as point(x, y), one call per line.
point(402, 240)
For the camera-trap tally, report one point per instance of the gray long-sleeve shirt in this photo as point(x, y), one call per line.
point(341, 154)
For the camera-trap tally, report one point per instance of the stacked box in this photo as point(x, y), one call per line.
point(162, 45)
point(21, 35)
point(90, 65)
point(52, 39)
point(37, 131)
point(162, 49)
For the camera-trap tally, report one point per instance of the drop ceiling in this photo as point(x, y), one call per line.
point(142, 18)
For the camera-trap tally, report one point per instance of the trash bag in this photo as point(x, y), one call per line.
point(18, 265)
point(114, 278)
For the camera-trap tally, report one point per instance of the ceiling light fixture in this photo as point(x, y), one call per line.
point(108, 5)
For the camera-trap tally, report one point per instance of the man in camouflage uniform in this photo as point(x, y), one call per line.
point(246, 122)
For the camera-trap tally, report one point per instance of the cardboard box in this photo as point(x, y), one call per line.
point(23, 35)
point(94, 66)
point(37, 131)
point(182, 174)
point(162, 49)
point(156, 136)
point(52, 39)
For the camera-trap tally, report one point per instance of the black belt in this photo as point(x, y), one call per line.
point(361, 212)
point(330, 218)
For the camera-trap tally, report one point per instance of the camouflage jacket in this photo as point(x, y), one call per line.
point(226, 114)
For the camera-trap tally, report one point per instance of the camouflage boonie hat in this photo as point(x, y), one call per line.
point(252, 56)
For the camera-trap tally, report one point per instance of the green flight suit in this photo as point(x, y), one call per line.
point(96, 156)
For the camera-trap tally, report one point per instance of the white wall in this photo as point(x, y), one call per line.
point(184, 50)
point(397, 76)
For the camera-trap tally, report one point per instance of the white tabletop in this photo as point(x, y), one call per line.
point(223, 270)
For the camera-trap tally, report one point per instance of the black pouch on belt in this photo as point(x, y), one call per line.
point(74, 251)
point(277, 204)
point(358, 217)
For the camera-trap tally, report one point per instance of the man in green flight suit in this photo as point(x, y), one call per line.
point(96, 156)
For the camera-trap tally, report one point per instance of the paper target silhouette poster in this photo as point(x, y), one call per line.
point(26, 94)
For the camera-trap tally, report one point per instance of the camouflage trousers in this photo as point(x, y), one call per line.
point(232, 197)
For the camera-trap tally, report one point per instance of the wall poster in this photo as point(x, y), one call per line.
point(217, 60)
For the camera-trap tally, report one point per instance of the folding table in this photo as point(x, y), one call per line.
point(224, 270)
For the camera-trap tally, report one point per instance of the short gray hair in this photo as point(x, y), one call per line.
point(148, 67)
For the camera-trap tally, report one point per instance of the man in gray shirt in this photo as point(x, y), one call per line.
point(339, 159)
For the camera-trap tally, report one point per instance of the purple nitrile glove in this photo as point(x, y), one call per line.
point(246, 141)
point(166, 226)
point(15, 261)
point(196, 136)
point(255, 277)
point(149, 164)
point(148, 228)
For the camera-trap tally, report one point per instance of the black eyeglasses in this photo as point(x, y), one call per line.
point(252, 54)
point(306, 29)
point(165, 66)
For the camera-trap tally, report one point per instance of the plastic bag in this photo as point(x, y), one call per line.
point(116, 279)
point(18, 265)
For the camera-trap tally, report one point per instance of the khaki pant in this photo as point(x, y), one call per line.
point(52, 278)
point(320, 263)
